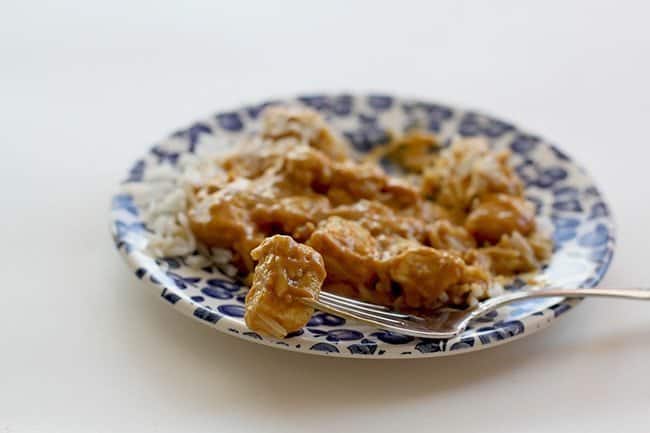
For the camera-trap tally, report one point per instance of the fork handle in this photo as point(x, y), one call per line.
point(490, 304)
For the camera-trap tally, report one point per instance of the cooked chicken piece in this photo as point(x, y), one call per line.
point(251, 160)
point(298, 164)
point(468, 169)
point(223, 217)
point(307, 167)
point(240, 212)
point(391, 245)
point(305, 125)
point(295, 215)
point(499, 214)
point(352, 182)
point(349, 250)
point(444, 235)
point(427, 211)
point(290, 154)
point(423, 274)
point(400, 193)
point(380, 219)
point(286, 272)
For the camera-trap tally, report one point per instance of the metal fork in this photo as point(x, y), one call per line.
point(448, 322)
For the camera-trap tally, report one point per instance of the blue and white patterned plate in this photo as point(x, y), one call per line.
point(566, 197)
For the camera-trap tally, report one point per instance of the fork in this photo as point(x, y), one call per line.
point(449, 322)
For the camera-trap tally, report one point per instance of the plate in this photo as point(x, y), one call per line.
point(567, 202)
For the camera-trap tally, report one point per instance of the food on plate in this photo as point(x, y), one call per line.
point(286, 273)
point(295, 213)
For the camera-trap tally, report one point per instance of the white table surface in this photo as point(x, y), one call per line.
point(86, 88)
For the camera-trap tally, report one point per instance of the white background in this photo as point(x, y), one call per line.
point(86, 87)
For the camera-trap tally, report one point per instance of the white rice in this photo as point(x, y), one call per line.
point(163, 197)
